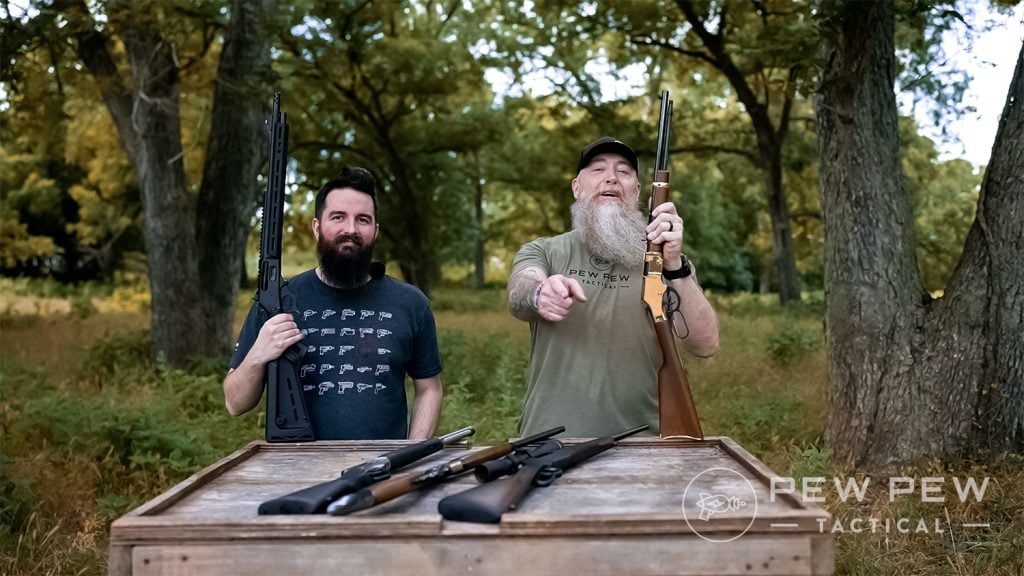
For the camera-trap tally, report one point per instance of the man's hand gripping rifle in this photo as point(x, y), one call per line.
point(677, 410)
point(287, 417)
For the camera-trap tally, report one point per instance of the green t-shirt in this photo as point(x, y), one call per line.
point(596, 371)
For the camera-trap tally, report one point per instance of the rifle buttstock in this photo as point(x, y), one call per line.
point(677, 411)
point(487, 502)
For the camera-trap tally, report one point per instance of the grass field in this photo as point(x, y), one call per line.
point(90, 427)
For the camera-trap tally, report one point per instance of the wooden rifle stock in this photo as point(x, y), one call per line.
point(677, 411)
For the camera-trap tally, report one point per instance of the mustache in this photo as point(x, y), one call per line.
point(353, 238)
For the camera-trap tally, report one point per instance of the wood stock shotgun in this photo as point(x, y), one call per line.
point(677, 412)
point(287, 417)
point(316, 498)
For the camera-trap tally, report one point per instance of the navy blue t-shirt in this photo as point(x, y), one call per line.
point(361, 343)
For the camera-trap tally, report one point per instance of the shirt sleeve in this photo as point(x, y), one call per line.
point(532, 254)
point(247, 337)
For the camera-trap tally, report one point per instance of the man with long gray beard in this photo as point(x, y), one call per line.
point(594, 356)
point(363, 331)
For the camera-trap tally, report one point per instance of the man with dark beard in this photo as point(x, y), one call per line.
point(594, 356)
point(363, 331)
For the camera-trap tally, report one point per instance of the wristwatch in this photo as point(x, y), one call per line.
point(684, 271)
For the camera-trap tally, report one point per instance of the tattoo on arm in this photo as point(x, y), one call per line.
point(521, 287)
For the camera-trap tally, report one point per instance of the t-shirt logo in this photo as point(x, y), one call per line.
point(601, 264)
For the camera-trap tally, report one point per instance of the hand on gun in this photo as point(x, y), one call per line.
point(556, 296)
point(276, 335)
point(666, 228)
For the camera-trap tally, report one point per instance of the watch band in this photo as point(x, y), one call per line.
point(684, 271)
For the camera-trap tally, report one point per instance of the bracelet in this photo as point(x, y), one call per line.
point(536, 296)
point(684, 271)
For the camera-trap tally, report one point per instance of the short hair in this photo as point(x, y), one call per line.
point(349, 177)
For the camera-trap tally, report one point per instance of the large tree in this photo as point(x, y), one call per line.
point(911, 376)
point(194, 256)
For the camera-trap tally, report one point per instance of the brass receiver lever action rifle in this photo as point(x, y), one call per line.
point(677, 412)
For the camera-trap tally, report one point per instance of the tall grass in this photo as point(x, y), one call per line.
point(90, 427)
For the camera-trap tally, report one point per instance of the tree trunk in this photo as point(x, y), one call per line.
point(993, 255)
point(910, 378)
point(480, 245)
point(234, 154)
point(783, 252)
point(168, 209)
point(146, 116)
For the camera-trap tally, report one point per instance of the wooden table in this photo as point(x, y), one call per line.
point(635, 509)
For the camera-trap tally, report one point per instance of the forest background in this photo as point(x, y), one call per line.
point(131, 151)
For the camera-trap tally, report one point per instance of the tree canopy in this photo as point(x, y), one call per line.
point(131, 131)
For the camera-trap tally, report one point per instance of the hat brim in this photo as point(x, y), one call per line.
point(613, 147)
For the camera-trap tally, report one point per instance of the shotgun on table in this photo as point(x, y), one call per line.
point(315, 499)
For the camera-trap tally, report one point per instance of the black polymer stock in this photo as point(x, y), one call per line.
point(287, 416)
point(315, 499)
point(487, 502)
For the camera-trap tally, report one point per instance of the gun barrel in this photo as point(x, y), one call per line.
point(630, 432)
point(457, 435)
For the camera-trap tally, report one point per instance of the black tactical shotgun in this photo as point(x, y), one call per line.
point(487, 502)
point(392, 488)
point(314, 500)
point(287, 416)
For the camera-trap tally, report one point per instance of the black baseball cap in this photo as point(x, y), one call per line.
point(607, 145)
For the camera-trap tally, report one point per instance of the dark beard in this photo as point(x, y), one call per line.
point(344, 269)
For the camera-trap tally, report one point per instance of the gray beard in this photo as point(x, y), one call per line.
point(611, 230)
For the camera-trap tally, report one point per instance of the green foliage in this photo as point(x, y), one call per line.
point(945, 196)
point(81, 450)
point(484, 380)
point(813, 461)
point(15, 500)
point(110, 359)
point(788, 344)
point(465, 301)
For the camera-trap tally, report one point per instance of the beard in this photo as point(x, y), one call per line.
point(611, 230)
point(344, 269)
